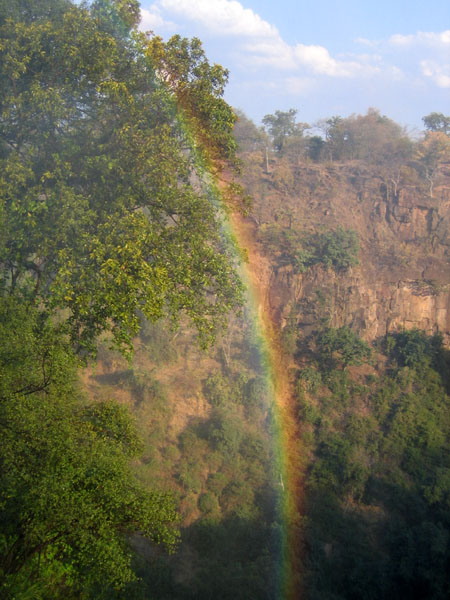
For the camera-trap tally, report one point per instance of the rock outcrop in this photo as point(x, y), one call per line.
point(403, 276)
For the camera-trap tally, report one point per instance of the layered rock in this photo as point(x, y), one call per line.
point(403, 276)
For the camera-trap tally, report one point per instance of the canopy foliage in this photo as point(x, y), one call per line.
point(105, 214)
point(104, 209)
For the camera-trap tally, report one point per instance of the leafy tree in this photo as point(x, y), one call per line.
point(217, 482)
point(378, 487)
point(101, 214)
point(437, 122)
point(69, 501)
point(198, 88)
point(105, 137)
point(394, 156)
point(366, 137)
point(372, 136)
point(248, 137)
point(430, 154)
point(217, 390)
point(336, 248)
point(281, 126)
point(255, 392)
point(29, 11)
point(208, 503)
point(414, 348)
point(335, 136)
point(225, 431)
point(342, 344)
point(314, 146)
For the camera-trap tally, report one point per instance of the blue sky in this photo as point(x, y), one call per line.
point(321, 57)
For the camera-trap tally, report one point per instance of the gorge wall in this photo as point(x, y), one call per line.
point(403, 276)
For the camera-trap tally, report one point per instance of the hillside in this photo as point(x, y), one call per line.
point(189, 416)
point(403, 275)
point(358, 394)
point(359, 289)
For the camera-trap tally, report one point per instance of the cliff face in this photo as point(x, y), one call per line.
point(371, 307)
point(403, 276)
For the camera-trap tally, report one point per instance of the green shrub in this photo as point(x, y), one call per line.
point(253, 448)
point(225, 432)
point(208, 503)
point(336, 248)
point(309, 379)
point(413, 348)
point(191, 444)
point(341, 345)
point(217, 390)
point(238, 497)
point(255, 392)
point(171, 453)
point(309, 413)
point(142, 385)
point(289, 336)
point(190, 477)
point(216, 483)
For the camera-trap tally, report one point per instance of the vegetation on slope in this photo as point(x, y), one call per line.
point(206, 424)
point(378, 512)
point(374, 417)
point(69, 500)
point(106, 228)
point(102, 219)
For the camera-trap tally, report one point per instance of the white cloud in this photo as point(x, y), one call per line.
point(318, 60)
point(152, 19)
point(428, 52)
point(225, 17)
point(270, 53)
point(258, 44)
point(440, 74)
point(422, 38)
point(443, 81)
point(261, 41)
point(313, 59)
point(366, 42)
point(396, 73)
point(401, 40)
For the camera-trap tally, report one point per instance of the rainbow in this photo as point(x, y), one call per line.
point(287, 451)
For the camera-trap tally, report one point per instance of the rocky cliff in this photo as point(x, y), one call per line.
point(403, 276)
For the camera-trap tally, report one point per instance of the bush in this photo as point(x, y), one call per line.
point(310, 379)
point(253, 448)
point(216, 483)
point(142, 385)
point(217, 390)
point(225, 432)
point(342, 345)
point(413, 348)
point(238, 497)
point(208, 503)
point(191, 445)
point(189, 476)
point(337, 249)
point(255, 392)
